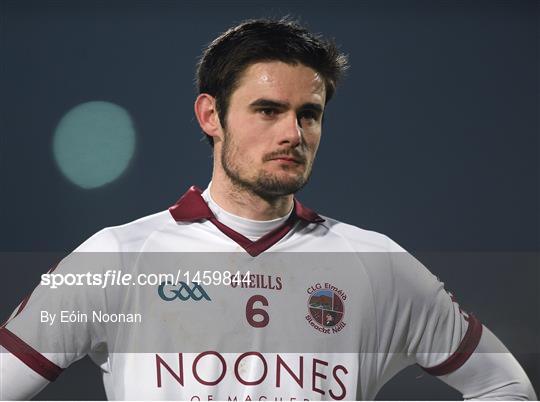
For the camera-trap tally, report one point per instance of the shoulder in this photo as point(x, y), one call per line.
point(385, 261)
point(358, 239)
point(127, 237)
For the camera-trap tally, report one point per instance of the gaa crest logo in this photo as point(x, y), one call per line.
point(326, 308)
point(182, 291)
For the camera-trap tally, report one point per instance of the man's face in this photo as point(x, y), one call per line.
point(273, 128)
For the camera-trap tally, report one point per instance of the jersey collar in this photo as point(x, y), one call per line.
point(192, 207)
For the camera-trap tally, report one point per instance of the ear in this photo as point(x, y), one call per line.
point(207, 116)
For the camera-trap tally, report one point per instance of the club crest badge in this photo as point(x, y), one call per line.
point(326, 308)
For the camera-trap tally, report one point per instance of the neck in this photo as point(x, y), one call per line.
point(246, 204)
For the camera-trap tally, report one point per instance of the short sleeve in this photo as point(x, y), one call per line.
point(53, 326)
point(418, 321)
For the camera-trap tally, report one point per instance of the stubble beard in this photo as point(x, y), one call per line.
point(265, 185)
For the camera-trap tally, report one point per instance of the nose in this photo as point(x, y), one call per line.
point(291, 131)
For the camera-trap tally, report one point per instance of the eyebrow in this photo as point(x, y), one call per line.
point(284, 105)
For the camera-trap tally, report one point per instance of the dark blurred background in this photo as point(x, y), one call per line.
point(432, 139)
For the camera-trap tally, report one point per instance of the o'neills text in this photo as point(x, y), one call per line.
point(259, 281)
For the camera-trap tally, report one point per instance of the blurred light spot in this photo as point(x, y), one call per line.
point(94, 143)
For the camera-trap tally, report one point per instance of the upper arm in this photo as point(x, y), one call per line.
point(490, 373)
point(17, 380)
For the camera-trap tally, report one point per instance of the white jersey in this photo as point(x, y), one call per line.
point(328, 311)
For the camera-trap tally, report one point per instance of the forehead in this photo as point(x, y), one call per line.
point(281, 81)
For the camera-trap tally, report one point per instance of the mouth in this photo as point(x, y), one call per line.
point(287, 159)
point(292, 158)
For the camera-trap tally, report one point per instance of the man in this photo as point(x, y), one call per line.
point(328, 311)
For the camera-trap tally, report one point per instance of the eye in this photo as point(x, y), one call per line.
point(307, 116)
point(268, 112)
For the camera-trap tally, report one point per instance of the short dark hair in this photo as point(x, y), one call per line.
point(227, 57)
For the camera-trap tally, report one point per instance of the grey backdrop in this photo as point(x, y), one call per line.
point(432, 139)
